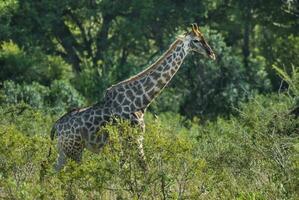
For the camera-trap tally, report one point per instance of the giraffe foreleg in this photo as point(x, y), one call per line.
point(138, 120)
point(137, 145)
point(132, 143)
point(140, 151)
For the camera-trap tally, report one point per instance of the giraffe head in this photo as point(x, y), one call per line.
point(197, 43)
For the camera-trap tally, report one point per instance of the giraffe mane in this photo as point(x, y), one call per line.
point(151, 67)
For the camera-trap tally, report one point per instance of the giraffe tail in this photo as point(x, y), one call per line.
point(44, 163)
point(52, 135)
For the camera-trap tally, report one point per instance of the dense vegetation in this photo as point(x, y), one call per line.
point(221, 130)
point(253, 155)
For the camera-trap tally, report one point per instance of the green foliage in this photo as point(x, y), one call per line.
point(61, 95)
point(33, 94)
point(64, 95)
point(285, 55)
point(91, 83)
point(7, 10)
point(104, 42)
point(56, 54)
point(250, 156)
point(292, 80)
point(26, 119)
point(13, 61)
point(169, 101)
point(21, 66)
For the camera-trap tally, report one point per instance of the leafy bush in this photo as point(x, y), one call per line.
point(33, 94)
point(61, 95)
point(7, 10)
point(169, 100)
point(250, 156)
point(91, 83)
point(64, 95)
point(21, 66)
point(51, 68)
point(292, 80)
point(27, 119)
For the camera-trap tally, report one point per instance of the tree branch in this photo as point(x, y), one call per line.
point(102, 37)
point(86, 40)
point(69, 43)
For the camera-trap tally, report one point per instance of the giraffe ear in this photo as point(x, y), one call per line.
point(194, 27)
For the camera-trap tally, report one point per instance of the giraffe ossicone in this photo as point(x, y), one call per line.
point(127, 99)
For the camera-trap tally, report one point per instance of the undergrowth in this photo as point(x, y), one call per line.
point(253, 155)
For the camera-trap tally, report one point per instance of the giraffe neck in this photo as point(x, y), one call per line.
point(138, 92)
point(169, 64)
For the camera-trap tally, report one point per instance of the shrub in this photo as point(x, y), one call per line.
point(60, 96)
point(170, 100)
point(34, 65)
point(64, 95)
point(33, 94)
point(252, 155)
point(92, 83)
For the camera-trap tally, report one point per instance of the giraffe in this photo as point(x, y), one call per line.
point(127, 99)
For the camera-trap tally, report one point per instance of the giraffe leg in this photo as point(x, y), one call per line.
point(62, 158)
point(141, 156)
point(123, 151)
point(137, 143)
point(77, 156)
point(137, 119)
point(60, 161)
point(126, 146)
point(73, 151)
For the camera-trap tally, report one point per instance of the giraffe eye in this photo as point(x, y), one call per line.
point(196, 41)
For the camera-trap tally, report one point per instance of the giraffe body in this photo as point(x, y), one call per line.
point(128, 99)
point(78, 130)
